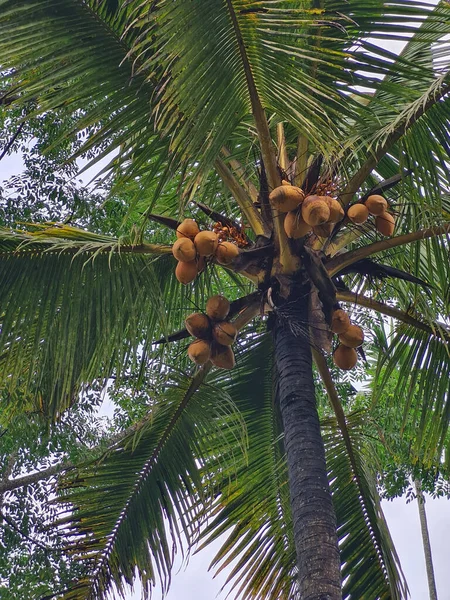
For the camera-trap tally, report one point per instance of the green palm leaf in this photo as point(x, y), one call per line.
point(147, 495)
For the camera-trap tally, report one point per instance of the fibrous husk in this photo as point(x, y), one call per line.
point(345, 358)
point(340, 321)
point(206, 243)
point(385, 224)
point(323, 230)
point(358, 214)
point(198, 325)
point(286, 197)
point(187, 229)
point(376, 204)
point(226, 252)
point(225, 333)
point(186, 272)
point(184, 250)
point(217, 308)
point(222, 356)
point(294, 225)
point(199, 352)
point(315, 211)
point(352, 337)
point(336, 210)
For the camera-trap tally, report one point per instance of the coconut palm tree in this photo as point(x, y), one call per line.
point(208, 108)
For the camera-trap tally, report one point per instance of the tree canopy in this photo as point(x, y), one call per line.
point(203, 110)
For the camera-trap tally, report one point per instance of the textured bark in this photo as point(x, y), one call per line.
point(426, 541)
point(313, 513)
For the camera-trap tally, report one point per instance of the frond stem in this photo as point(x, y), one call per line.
point(340, 262)
point(391, 311)
point(240, 195)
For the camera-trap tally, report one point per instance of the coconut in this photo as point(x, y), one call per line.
point(286, 197)
point(285, 182)
point(352, 337)
point(345, 357)
point(222, 357)
point(226, 252)
point(187, 229)
point(376, 205)
point(323, 230)
point(199, 352)
point(294, 226)
point(206, 243)
point(217, 308)
point(385, 224)
point(225, 333)
point(186, 272)
point(340, 321)
point(358, 213)
point(184, 250)
point(198, 325)
point(315, 211)
point(336, 210)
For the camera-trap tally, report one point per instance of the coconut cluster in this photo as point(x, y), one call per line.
point(377, 206)
point(320, 213)
point(214, 334)
point(305, 213)
point(350, 337)
point(194, 246)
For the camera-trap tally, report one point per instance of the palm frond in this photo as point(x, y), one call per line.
point(253, 505)
point(146, 496)
point(422, 361)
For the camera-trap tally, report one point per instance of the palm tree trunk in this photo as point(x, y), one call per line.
point(426, 540)
point(313, 513)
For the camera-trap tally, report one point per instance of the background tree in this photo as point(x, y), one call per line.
point(191, 98)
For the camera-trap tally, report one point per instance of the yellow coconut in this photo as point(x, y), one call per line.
point(323, 230)
point(285, 182)
point(336, 210)
point(199, 352)
point(217, 308)
point(184, 250)
point(225, 333)
point(315, 211)
point(206, 243)
point(186, 272)
point(198, 325)
point(187, 229)
point(352, 337)
point(222, 357)
point(358, 214)
point(286, 197)
point(226, 252)
point(345, 357)
point(376, 204)
point(294, 226)
point(385, 224)
point(340, 321)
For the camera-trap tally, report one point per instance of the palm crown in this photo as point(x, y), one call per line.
point(205, 107)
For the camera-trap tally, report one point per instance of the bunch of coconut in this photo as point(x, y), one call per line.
point(305, 213)
point(193, 246)
point(350, 337)
point(214, 334)
point(377, 206)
